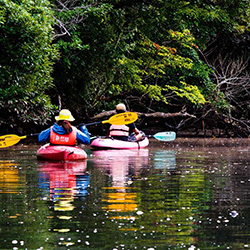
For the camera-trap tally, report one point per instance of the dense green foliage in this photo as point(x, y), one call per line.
point(153, 55)
point(26, 59)
point(125, 56)
point(145, 51)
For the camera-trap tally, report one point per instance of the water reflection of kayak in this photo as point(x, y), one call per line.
point(61, 153)
point(69, 167)
point(63, 182)
point(119, 197)
point(105, 143)
point(111, 155)
point(121, 165)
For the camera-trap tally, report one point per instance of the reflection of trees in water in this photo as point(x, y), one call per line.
point(165, 200)
point(229, 209)
point(222, 205)
point(170, 199)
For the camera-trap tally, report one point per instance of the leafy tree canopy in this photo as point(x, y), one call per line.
point(151, 48)
point(26, 60)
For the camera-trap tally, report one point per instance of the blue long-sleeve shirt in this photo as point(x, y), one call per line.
point(82, 135)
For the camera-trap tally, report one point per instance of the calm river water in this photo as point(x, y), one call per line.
point(188, 194)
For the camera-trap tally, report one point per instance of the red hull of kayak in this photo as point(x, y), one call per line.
point(61, 153)
point(118, 144)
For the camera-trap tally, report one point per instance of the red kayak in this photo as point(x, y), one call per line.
point(61, 153)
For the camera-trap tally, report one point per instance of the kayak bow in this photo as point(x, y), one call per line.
point(61, 153)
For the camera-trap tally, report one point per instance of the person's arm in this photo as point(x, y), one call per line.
point(83, 135)
point(44, 135)
point(138, 134)
point(133, 128)
point(136, 130)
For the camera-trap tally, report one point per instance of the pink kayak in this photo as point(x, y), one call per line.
point(61, 153)
point(118, 144)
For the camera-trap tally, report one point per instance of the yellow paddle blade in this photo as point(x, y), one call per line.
point(122, 118)
point(9, 140)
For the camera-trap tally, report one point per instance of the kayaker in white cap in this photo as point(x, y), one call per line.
point(124, 132)
point(63, 133)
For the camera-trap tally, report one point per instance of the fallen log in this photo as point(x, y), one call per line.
point(160, 115)
point(163, 115)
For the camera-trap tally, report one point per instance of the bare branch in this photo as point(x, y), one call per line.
point(233, 79)
point(62, 28)
point(65, 26)
point(166, 115)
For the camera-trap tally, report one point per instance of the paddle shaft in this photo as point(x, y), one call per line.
point(89, 124)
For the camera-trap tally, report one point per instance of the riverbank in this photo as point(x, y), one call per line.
point(203, 142)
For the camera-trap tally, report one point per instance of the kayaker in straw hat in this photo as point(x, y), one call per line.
point(124, 132)
point(63, 133)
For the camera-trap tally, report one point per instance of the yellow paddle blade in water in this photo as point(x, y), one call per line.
point(9, 140)
point(122, 118)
